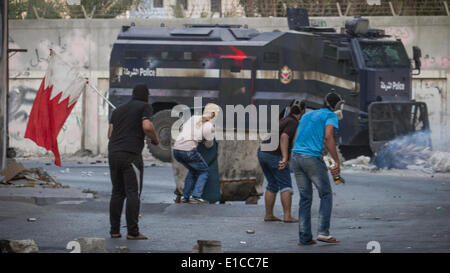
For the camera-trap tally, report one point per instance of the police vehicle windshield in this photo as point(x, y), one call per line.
point(384, 54)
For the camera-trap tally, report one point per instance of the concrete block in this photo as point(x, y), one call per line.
point(209, 246)
point(18, 246)
point(122, 249)
point(92, 245)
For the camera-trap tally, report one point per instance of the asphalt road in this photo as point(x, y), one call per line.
point(403, 211)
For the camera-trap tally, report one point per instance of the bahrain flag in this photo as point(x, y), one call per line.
point(55, 99)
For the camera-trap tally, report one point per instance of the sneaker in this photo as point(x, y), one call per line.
point(184, 200)
point(196, 200)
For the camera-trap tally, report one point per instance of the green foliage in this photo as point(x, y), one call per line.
point(103, 8)
point(45, 9)
point(56, 9)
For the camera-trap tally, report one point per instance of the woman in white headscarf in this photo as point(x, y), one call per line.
point(195, 130)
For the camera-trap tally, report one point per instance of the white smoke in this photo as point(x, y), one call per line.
point(72, 46)
point(413, 150)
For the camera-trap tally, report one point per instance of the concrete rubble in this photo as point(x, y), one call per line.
point(413, 157)
point(440, 161)
point(18, 246)
point(122, 249)
point(92, 245)
point(360, 163)
point(412, 152)
point(16, 175)
point(209, 246)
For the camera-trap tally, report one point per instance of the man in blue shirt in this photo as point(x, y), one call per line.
point(315, 129)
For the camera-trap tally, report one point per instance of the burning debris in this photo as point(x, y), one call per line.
point(16, 175)
point(412, 152)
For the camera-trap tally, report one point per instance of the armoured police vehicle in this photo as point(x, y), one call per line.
point(235, 65)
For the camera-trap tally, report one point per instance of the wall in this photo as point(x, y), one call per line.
point(87, 44)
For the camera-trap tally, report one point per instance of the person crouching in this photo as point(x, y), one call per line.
point(195, 130)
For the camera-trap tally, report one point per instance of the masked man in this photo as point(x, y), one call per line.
point(129, 125)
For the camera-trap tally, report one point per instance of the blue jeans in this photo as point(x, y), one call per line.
point(277, 180)
point(198, 172)
point(312, 170)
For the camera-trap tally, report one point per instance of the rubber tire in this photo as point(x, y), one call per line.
point(162, 121)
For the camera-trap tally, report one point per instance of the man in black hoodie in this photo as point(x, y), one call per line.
point(128, 126)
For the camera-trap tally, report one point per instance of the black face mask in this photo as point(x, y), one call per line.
point(140, 92)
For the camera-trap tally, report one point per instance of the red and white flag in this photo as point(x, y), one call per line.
point(55, 99)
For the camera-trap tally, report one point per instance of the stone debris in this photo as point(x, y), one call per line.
point(31, 219)
point(92, 245)
point(89, 173)
point(67, 170)
point(83, 153)
point(89, 191)
point(250, 231)
point(18, 246)
point(195, 248)
point(414, 153)
point(209, 246)
point(440, 161)
point(16, 175)
point(122, 249)
point(360, 163)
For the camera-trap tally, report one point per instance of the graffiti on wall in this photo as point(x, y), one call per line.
point(21, 100)
point(432, 92)
point(406, 34)
point(435, 62)
point(73, 47)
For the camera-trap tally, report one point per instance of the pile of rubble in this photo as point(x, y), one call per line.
point(400, 156)
point(411, 156)
point(360, 163)
point(16, 175)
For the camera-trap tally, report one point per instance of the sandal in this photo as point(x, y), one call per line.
point(140, 236)
point(327, 239)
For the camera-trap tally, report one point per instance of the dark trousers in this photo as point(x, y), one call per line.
point(127, 171)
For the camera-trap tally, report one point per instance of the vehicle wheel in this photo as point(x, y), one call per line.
point(162, 121)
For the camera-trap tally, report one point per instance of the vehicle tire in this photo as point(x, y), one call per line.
point(162, 121)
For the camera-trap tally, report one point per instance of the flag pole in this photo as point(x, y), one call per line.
point(100, 94)
point(52, 52)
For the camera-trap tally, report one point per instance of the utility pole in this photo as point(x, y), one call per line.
point(3, 84)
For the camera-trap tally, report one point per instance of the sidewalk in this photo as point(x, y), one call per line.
point(38, 195)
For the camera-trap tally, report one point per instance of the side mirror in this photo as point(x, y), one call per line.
point(417, 54)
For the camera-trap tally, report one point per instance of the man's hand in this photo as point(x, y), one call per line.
point(154, 142)
point(336, 171)
point(331, 147)
point(149, 131)
point(282, 164)
point(284, 147)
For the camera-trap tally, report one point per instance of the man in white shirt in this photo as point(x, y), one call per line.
point(196, 129)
